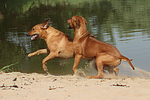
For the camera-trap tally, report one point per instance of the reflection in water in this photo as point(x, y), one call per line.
point(124, 24)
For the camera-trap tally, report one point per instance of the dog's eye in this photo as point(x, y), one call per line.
point(32, 29)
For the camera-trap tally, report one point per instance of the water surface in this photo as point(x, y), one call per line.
point(123, 23)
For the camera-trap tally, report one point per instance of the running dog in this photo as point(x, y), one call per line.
point(106, 56)
point(58, 44)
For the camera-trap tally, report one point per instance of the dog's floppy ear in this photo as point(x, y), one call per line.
point(78, 23)
point(45, 24)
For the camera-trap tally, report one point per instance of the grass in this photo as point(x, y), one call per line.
point(8, 68)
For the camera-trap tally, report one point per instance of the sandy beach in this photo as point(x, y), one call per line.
point(22, 86)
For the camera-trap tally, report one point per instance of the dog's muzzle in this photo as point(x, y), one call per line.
point(69, 27)
point(33, 37)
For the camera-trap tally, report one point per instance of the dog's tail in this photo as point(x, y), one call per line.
point(127, 60)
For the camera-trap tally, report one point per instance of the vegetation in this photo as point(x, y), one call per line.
point(9, 68)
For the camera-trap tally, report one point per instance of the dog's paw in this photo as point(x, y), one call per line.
point(80, 72)
point(30, 55)
point(94, 77)
point(89, 77)
point(47, 73)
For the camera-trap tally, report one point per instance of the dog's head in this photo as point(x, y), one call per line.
point(37, 30)
point(75, 22)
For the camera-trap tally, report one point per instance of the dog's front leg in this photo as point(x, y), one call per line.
point(41, 51)
point(52, 55)
point(76, 62)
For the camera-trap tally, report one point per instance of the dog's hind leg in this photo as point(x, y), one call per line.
point(99, 65)
point(116, 70)
point(41, 51)
point(105, 59)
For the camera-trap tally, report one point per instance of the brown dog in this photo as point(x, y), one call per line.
point(58, 44)
point(106, 55)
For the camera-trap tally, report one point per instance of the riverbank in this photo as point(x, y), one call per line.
point(22, 86)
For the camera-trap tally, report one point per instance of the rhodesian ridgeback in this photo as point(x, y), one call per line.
point(105, 55)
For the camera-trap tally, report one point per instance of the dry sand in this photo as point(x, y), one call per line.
point(22, 86)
